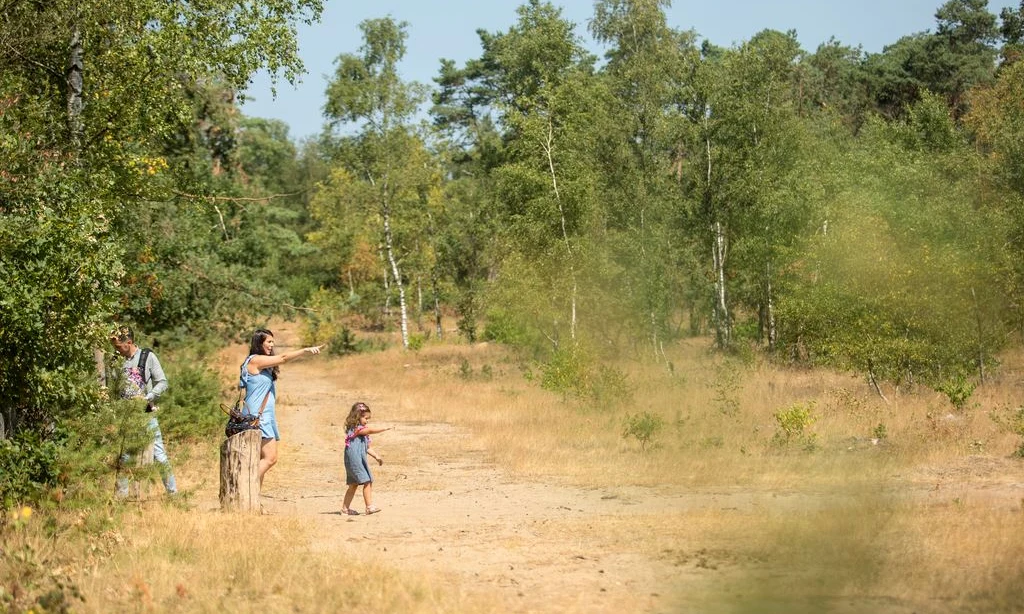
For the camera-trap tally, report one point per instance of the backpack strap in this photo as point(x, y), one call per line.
point(143, 359)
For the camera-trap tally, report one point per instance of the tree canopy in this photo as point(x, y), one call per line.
point(833, 207)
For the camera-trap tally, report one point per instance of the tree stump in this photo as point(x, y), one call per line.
point(239, 472)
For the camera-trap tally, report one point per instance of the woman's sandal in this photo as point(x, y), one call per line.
point(345, 512)
point(372, 510)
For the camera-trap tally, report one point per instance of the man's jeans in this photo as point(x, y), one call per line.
point(159, 455)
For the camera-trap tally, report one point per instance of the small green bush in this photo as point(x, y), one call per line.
point(880, 433)
point(794, 422)
point(573, 373)
point(566, 372)
point(644, 427)
point(343, 342)
point(467, 373)
point(958, 390)
point(465, 369)
point(95, 442)
point(501, 327)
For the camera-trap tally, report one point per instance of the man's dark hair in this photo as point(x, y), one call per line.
point(123, 333)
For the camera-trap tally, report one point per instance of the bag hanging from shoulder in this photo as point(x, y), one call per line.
point(238, 421)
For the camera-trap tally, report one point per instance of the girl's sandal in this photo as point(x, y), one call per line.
point(345, 512)
point(372, 510)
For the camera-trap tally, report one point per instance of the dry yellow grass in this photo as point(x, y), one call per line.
point(180, 561)
point(158, 556)
point(884, 518)
point(718, 418)
point(927, 518)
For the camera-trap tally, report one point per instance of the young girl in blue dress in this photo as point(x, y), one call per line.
point(357, 448)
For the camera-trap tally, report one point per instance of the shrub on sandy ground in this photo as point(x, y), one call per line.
point(644, 427)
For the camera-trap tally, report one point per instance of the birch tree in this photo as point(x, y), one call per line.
point(648, 70)
point(744, 176)
point(547, 184)
point(368, 98)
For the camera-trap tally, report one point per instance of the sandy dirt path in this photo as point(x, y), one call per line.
point(448, 512)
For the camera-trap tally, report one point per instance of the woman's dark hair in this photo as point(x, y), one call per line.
point(256, 347)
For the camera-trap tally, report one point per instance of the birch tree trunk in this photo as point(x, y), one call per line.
point(549, 152)
point(387, 284)
point(389, 249)
point(437, 305)
point(719, 250)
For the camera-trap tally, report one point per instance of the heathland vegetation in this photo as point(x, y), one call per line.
point(756, 265)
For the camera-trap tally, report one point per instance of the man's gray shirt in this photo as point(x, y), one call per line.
point(156, 380)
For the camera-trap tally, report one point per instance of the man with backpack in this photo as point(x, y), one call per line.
point(143, 378)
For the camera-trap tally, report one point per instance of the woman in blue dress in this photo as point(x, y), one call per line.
point(259, 377)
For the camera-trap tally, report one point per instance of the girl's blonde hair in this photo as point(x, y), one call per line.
point(358, 409)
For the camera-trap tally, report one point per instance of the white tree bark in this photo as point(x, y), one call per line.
point(387, 283)
point(549, 145)
point(719, 251)
point(389, 249)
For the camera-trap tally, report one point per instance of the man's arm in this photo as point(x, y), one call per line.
point(156, 377)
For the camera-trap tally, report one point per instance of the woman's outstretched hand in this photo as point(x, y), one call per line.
point(315, 349)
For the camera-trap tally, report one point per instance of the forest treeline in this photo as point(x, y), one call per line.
point(862, 211)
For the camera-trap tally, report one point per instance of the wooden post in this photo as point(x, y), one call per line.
point(239, 472)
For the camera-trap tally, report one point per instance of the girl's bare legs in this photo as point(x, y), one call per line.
point(350, 493)
point(368, 495)
point(268, 457)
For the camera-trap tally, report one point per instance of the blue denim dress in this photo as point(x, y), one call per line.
point(357, 470)
point(256, 388)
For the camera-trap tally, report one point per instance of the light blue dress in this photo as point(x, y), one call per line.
point(256, 388)
point(357, 469)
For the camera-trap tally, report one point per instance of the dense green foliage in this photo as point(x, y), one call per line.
point(116, 141)
point(856, 210)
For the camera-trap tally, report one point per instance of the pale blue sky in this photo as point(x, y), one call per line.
point(447, 29)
